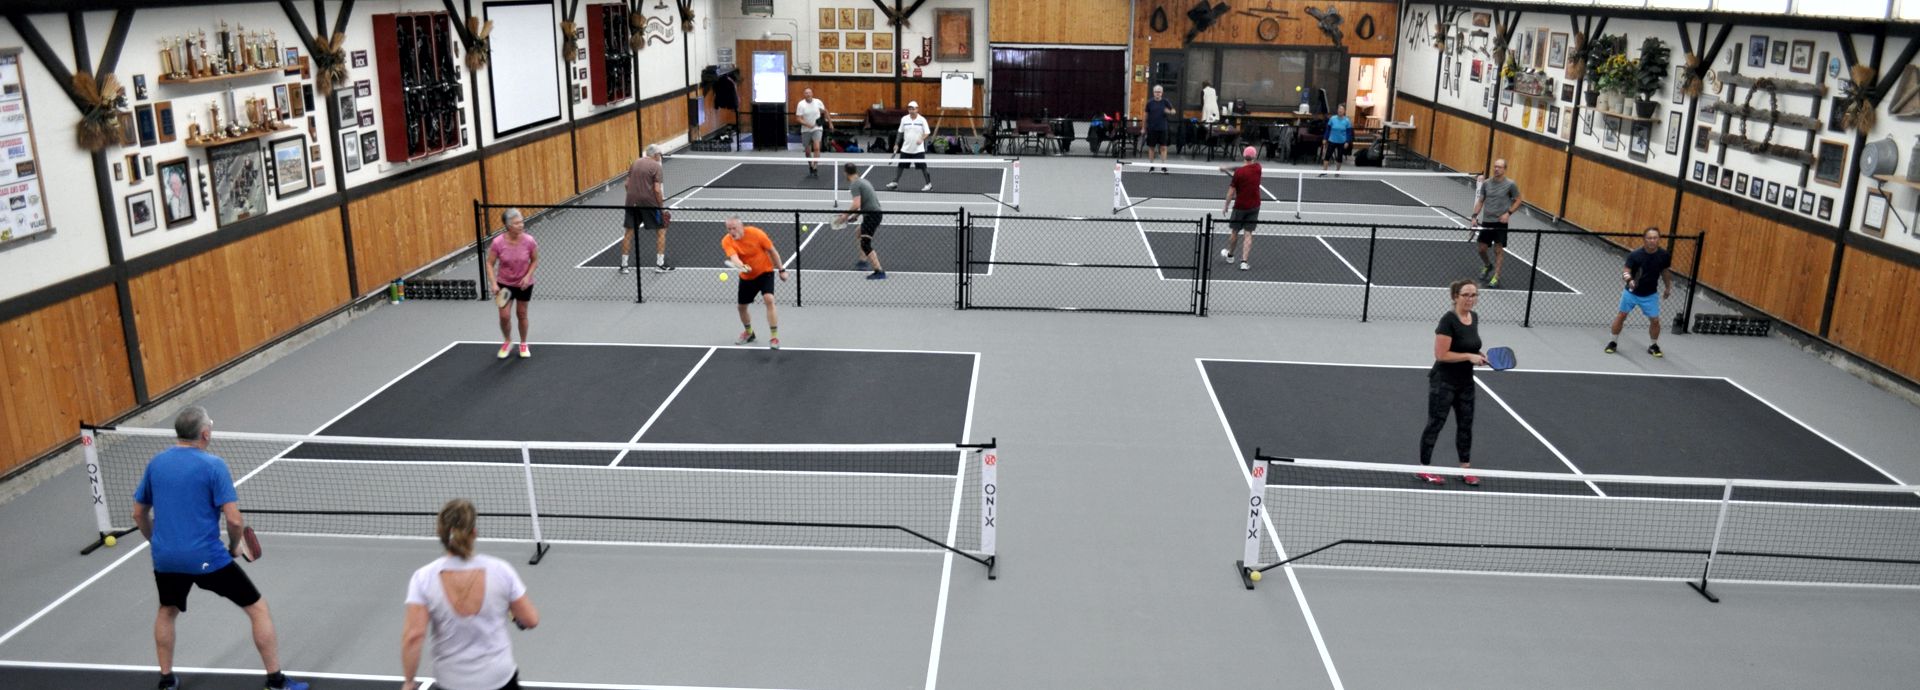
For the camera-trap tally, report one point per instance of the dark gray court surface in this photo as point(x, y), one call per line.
point(690, 244)
point(950, 180)
point(1343, 261)
point(1178, 185)
point(1435, 263)
point(907, 245)
point(145, 679)
point(1283, 188)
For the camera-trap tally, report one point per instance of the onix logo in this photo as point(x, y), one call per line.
point(991, 458)
point(1259, 471)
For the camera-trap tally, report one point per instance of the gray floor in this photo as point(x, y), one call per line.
point(1120, 521)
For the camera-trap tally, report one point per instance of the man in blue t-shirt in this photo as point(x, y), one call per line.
point(1159, 111)
point(179, 505)
point(1644, 274)
point(1339, 139)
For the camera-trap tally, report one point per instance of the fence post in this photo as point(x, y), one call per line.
point(1203, 248)
point(1693, 283)
point(480, 246)
point(639, 274)
point(1366, 294)
point(799, 264)
point(1533, 273)
point(960, 244)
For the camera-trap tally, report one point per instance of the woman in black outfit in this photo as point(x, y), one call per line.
point(1456, 351)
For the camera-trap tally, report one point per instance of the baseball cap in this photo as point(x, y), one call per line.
point(913, 104)
point(1249, 152)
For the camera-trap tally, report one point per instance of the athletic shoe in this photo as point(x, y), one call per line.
point(811, 174)
point(289, 684)
point(169, 683)
point(1164, 170)
point(1470, 480)
point(1493, 282)
point(862, 265)
point(877, 275)
point(1486, 270)
point(1611, 346)
point(1430, 478)
point(505, 349)
point(893, 185)
point(773, 343)
point(1654, 350)
point(662, 268)
point(624, 269)
point(745, 337)
point(1243, 265)
point(928, 187)
point(525, 352)
point(1226, 255)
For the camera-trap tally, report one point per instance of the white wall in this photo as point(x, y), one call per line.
point(799, 21)
point(1904, 201)
point(77, 244)
point(1414, 71)
point(1658, 160)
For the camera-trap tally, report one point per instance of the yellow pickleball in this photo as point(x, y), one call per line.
point(723, 276)
point(1254, 576)
point(110, 541)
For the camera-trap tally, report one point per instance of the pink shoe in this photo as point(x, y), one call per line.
point(1430, 478)
point(504, 349)
point(1470, 480)
point(524, 352)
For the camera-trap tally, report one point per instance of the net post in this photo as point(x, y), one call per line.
point(965, 298)
point(96, 486)
point(799, 296)
point(533, 507)
point(1256, 508)
point(1533, 275)
point(1016, 186)
point(1119, 190)
point(1693, 281)
point(989, 509)
point(960, 241)
point(1299, 192)
point(1719, 528)
point(1366, 293)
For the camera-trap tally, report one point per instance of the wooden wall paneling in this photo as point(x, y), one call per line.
point(1240, 29)
point(1874, 313)
point(856, 95)
point(605, 149)
point(664, 120)
point(1602, 198)
point(1459, 143)
point(539, 173)
point(1082, 22)
point(1538, 168)
point(59, 366)
point(1778, 268)
point(1420, 139)
point(407, 227)
point(199, 312)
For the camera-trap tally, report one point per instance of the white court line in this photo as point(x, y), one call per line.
point(1574, 576)
point(1343, 259)
point(1266, 517)
point(1304, 213)
point(338, 676)
point(953, 524)
point(663, 406)
point(1829, 439)
point(1509, 372)
point(1482, 385)
point(743, 347)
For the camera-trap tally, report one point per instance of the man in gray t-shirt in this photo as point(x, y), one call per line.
point(866, 204)
point(1496, 199)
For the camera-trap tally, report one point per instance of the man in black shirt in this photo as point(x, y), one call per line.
point(1644, 267)
point(1159, 109)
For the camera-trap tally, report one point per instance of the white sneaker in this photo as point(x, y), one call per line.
point(1243, 265)
point(893, 185)
point(1226, 254)
point(927, 188)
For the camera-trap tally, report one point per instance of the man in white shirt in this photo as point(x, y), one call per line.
point(913, 146)
point(812, 115)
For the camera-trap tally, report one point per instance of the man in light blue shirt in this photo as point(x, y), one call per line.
point(1339, 139)
point(178, 506)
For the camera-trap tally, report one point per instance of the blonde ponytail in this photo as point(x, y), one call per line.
point(456, 527)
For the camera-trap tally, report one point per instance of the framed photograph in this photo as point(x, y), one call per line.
point(1830, 162)
point(140, 217)
point(881, 41)
point(143, 117)
point(176, 191)
point(318, 175)
point(1789, 197)
point(359, 59)
point(1446, 72)
point(1474, 76)
point(363, 88)
point(1779, 52)
point(1506, 97)
point(281, 104)
point(1873, 217)
point(865, 21)
point(1836, 114)
point(296, 106)
point(366, 118)
point(1456, 81)
point(306, 97)
point(369, 147)
point(163, 119)
point(1703, 138)
point(1553, 121)
point(313, 153)
point(1673, 132)
point(1773, 192)
point(827, 15)
point(829, 40)
point(1726, 179)
point(1586, 122)
point(1699, 170)
point(289, 165)
point(1679, 77)
point(133, 168)
point(1610, 133)
point(343, 108)
point(1487, 99)
point(847, 20)
point(856, 40)
point(828, 62)
point(953, 34)
point(866, 62)
point(1826, 208)
point(1713, 174)
point(350, 150)
point(847, 63)
point(1757, 51)
point(1637, 145)
point(1758, 190)
point(1800, 60)
point(129, 132)
point(1483, 19)
point(119, 171)
point(1740, 184)
point(1566, 92)
point(883, 62)
point(1557, 50)
point(239, 181)
point(139, 87)
point(1806, 202)
point(292, 62)
point(146, 165)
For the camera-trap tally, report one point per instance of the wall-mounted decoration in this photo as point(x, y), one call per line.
point(163, 120)
point(856, 41)
point(363, 89)
point(1673, 132)
point(366, 118)
point(1906, 94)
point(953, 34)
point(1557, 51)
point(829, 62)
point(133, 168)
point(1826, 208)
point(239, 182)
point(282, 100)
point(1637, 146)
point(1758, 190)
point(369, 147)
point(1801, 59)
point(1158, 22)
point(1703, 138)
point(847, 20)
point(1873, 217)
point(119, 171)
point(359, 59)
point(1329, 20)
point(1830, 162)
point(176, 191)
point(829, 40)
point(1553, 121)
point(1779, 49)
point(1726, 179)
point(140, 216)
point(1807, 200)
point(343, 109)
point(289, 165)
point(1789, 198)
point(318, 175)
point(883, 63)
point(848, 65)
point(143, 116)
point(827, 16)
point(1833, 67)
point(350, 150)
point(1757, 51)
point(1773, 193)
point(1699, 170)
point(292, 60)
point(865, 20)
point(1740, 185)
point(1365, 29)
point(882, 41)
point(865, 62)
point(1610, 133)
point(420, 84)
point(129, 134)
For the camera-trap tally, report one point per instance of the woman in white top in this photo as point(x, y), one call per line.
point(1209, 103)
point(467, 598)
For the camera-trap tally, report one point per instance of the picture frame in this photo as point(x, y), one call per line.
point(1726, 180)
point(129, 132)
point(1800, 60)
point(306, 97)
point(1779, 52)
point(176, 191)
point(1836, 114)
point(133, 169)
point(1807, 200)
point(296, 105)
point(369, 147)
point(1713, 174)
point(282, 104)
point(143, 118)
point(1637, 144)
point(291, 60)
point(1566, 92)
point(239, 181)
point(163, 120)
point(865, 62)
point(1789, 198)
point(1758, 190)
point(1679, 77)
point(882, 41)
point(318, 175)
point(1703, 138)
point(855, 40)
point(139, 87)
point(1483, 19)
point(1773, 192)
point(1826, 208)
point(847, 63)
point(1477, 66)
point(1674, 128)
point(953, 34)
point(1557, 50)
point(1506, 97)
point(343, 109)
point(366, 118)
point(359, 59)
point(1610, 133)
point(1757, 51)
point(847, 15)
point(865, 20)
point(1873, 214)
point(827, 16)
point(828, 62)
point(1699, 170)
point(1830, 162)
point(289, 155)
point(146, 165)
point(1553, 121)
point(1540, 38)
point(313, 153)
point(1586, 122)
point(350, 150)
point(363, 88)
point(883, 62)
point(829, 40)
point(140, 213)
point(119, 171)
point(1740, 184)
point(1456, 81)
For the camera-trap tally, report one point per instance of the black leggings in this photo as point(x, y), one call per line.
point(1440, 396)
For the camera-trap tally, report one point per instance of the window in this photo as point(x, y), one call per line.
point(1268, 79)
point(1200, 69)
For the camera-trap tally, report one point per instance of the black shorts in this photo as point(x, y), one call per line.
point(1243, 219)
point(648, 218)
point(870, 224)
point(519, 294)
point(921, 156)
point(1156, 137)
point(1493, 232)
point(754, 287)
point(1338, 152)
point(230, 582)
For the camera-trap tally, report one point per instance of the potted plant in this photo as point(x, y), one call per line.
point(1650, 71)
point(1618, 76)
point(1596, 56)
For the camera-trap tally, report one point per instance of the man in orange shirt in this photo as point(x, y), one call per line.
point(751, 252)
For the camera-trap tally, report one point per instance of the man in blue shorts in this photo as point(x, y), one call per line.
point(179, 505)
point(1644, 266)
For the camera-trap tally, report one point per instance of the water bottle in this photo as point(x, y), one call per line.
point(393, 292)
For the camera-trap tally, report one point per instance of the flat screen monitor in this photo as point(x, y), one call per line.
point(770, 77)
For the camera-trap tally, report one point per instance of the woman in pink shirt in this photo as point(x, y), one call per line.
point(511, 260)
